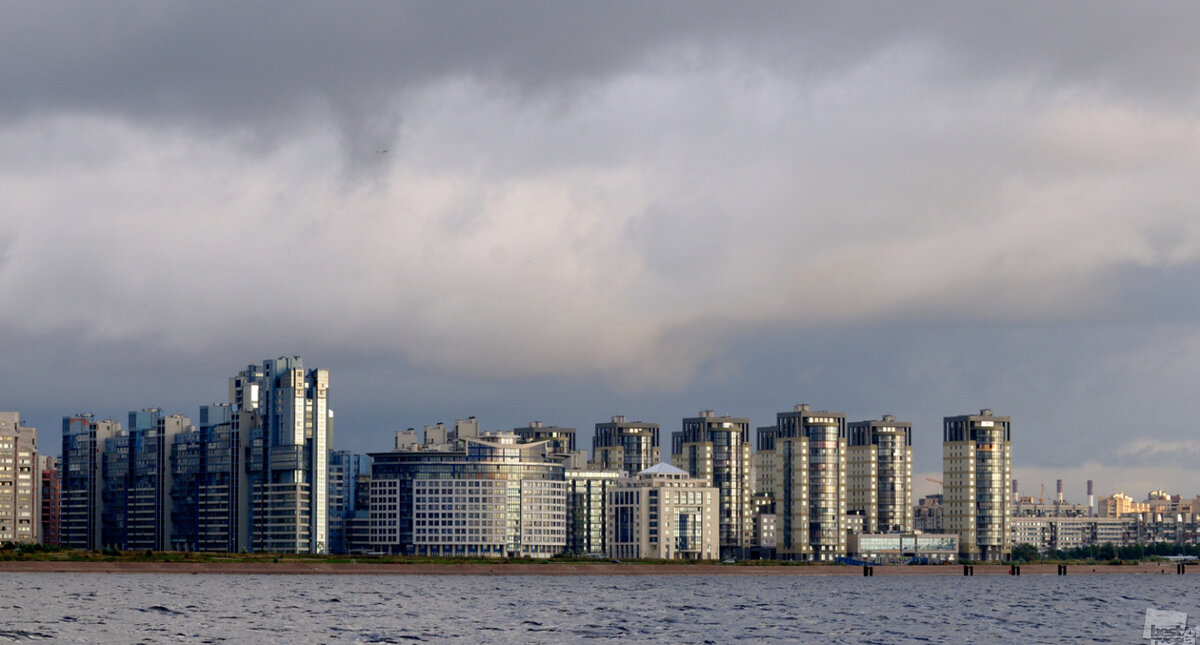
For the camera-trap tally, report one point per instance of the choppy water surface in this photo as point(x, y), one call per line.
point(126, 608)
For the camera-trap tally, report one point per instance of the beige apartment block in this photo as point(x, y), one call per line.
point(803, 463)
point(663, 513)
point(977, 474)
point(20, 481)
point(1119, 504)
point(879, 478)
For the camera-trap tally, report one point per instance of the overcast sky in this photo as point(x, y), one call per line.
point(567, 211)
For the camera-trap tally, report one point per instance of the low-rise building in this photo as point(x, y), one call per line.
point(663, 513)
point(496, 498)
point(896, 548)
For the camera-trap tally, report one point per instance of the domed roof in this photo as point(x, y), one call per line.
point(663, 468)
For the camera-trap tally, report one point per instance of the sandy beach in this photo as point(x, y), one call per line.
point(555, 569)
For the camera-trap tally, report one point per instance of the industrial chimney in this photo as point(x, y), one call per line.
point(1091, 500)
point(1059, 498)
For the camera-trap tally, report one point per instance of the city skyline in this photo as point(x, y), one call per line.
point(922, 483)
point(567, 213)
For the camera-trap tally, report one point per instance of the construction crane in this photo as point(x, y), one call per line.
point(936, 481)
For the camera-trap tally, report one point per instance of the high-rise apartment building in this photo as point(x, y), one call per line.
point(803, 462)
point(289, 456)
point(561, 440)
point(345, 469)
point(587, 500)
point(51, 480)
point(20, 481)
point(82, 480)
point(137, 499)
point(879, 477)
point(977, 475)
point(717, 451)
point(628, 446)
point(211, 490)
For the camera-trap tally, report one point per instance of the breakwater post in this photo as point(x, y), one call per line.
point(1014, 569)
point(1181, 568)
point(868, 571)
point(968, 569)
point(1062, 569)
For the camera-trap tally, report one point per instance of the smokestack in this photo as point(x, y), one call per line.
point(1060, 497)
point(1091, 500)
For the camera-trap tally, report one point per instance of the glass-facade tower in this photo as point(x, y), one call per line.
point(977, 476)
point(717, 451)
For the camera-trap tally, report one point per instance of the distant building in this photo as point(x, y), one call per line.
point(82, 481)
point(628, 446)
point(1051, 533)
point(803, 459)
point(1119, 504)
point(977, 470)
point(406, 440)
point(717, 451)
point(1029, 507)
point(559, 443)
point(663, 514)
point(51, 481)
point(562, 440)
point(928, 514)
point(879, 474)
point(496, 498)
point(20, 481)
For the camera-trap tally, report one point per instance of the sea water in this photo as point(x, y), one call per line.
point(169, 608)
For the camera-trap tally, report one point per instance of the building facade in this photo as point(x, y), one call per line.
point(289, 453)
point(717, 450)
point(211, 491)
point(901, 548)
point(345, 468)
point(587, 504)
point(137, 502)
point(51, 500)
point(628, 446)
point(663, 513)
point(804, 456)
point(82, 480)
point(20, 481)
point(879, 478)
point(497, 498)
point(977, 474)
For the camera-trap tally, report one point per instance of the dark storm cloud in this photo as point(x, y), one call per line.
point(259, 62)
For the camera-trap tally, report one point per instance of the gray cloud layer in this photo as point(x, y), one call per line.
point(551, 209)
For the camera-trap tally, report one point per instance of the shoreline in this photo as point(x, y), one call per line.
point(501, 568)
